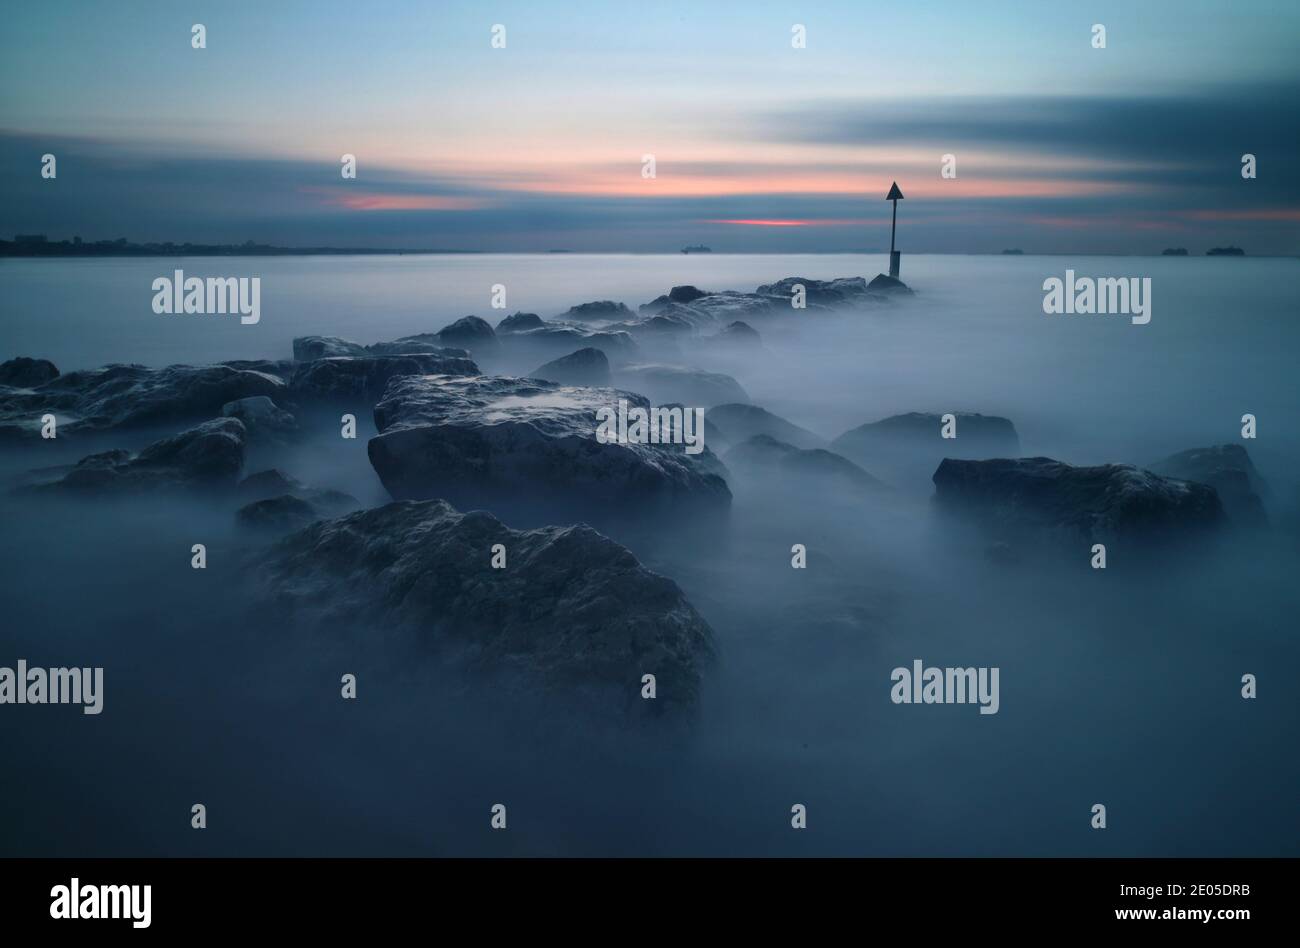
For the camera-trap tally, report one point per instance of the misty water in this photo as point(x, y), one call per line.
point(1119, 687)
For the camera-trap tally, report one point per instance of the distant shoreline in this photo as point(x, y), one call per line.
point(42, 249)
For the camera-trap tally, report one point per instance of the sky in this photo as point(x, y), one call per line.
point(758, 146)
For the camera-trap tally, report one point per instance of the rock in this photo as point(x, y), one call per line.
point(349, 378)
point(727, 307)
point(278, 368)
point(670, 325)
point(1082, 505)
point(555, 341)
point(763, 452)
point(311, 348)
point(209, 455)
point(527, 449)
point(844, 291)
point(294, 511)
point(519, 322)
point(574, 615)
point(585, 367)
point(678, 294)
point(424, 343)
point(131, 396)
point(1228, 469)
point(261, 416)
point(740, 422)
point(674, 383)
point(913, 443)
point(23, 372)
point(274, 483)
point(281, 513)
point(738, 335)
point(266, 484)
point(601, 309)
point(685, 294)
point(470, 333)
point(887, 284)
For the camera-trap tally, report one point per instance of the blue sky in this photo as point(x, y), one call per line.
point(758, 146)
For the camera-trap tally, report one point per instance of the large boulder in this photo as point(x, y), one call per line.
point(740, 422)
point(906, 448)
point(1228, 469)
point(573, 615)
point(763, 454)
point(674, 383)
point(341, 378)
point(844, 291)
point(310, 348)
point(739, 336)
point(527, 449)
point(23, 372)
point(554, 341)
point(471, 333)
point(598, 310)
point(286, 512)
point(718, 309)
point(519, 322)
point(585, 367)
point(209, 455)
point(131, 396)
point(882, 283)
point(678, 294)
point(1035, 497)
point(262, 417)
point(271, 483)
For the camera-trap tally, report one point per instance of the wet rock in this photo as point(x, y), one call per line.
point(601, 309)
point(471, 333)
point(209, 455)
point(285, 512)
point(844, 291)
point(261, 417)
point(556, 341)
point(909, 446)
point(527, 449)
point(1040, 497)
point(1228, 469)
point(131, 396)
point(574, 615)
point(269, 483)
point(740, 422)
point(883, 283)
point(311, 348)
point(585, 367)
point(273, 483)
point(678, 294)
point(739, 336)
point(282, 513)
point(764, 453)
point(23, 372)
point(675, 383)
point(366, 377)
point(519, 322)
